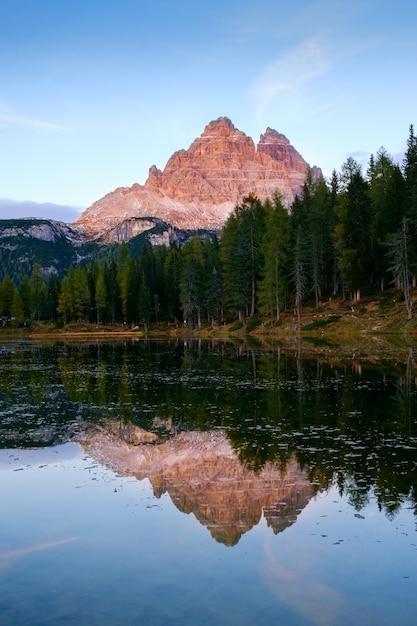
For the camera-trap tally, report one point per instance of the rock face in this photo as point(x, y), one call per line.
point(199, 187)
point(203, 475)
point(44, 230)
point(53, 245)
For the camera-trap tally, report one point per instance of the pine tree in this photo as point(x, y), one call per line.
point(38, 292)
point(354, 230)
point(25, 291)
point(241, 255)
point(66, 300)
point(387, 198)
point(172, 273)
point(298, 275)
point(410, 201)
point(110, 274)
point(17, 312)
point(146, 295)
point(52, 296)
point(81, 293)
point(126, 284)
point(410, 173)
point(275, 249)
point(7, 294)
point(191, 282)
point(212, 277)
point(398, 250)
point(100, 297)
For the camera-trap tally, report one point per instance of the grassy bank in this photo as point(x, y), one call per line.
point(336, 321)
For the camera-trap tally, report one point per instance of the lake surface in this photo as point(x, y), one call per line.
point(150, 482)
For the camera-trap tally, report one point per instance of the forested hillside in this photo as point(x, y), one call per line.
point(352, 235)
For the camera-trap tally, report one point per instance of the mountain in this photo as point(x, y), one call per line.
point(197, 191)
point(54, 245)
point(199, 187)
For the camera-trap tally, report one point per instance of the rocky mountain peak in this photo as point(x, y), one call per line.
point(222, 127)
point(200, 186)
point(274, 137)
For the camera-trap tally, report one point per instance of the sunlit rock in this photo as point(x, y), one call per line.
point(200, 187)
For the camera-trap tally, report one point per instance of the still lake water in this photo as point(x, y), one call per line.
point(281, 487)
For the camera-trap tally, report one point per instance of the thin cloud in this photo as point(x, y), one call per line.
point(290, 73)
point(13, 118)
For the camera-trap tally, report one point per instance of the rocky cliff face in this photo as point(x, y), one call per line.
point(43, 230)
point(53, 245)
point(199, 187)
point(203, 475)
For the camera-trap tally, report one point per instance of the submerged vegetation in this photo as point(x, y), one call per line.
point(345, 251)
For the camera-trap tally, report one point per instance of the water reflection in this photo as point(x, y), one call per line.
point(202, 475)
point(287, 416)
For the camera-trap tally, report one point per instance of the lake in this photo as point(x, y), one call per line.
point(184, 482)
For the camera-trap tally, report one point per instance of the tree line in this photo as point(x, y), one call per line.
point(350, 235)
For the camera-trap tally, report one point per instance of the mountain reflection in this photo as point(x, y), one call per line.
point(310, 418)
point(203, 475)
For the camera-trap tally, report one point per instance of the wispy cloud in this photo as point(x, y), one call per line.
point(6, 115)
point(287, 75)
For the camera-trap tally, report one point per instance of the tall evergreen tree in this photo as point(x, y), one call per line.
point(212, 277)
point(387, 198)
point(312, 223)
point(354, 231)
point(7, 293)
point(399, 245)
point(38, 289)
point(17, 312)
point(410, 173)
point(172, 274)
point(52, 296)
point(241, 255)
point(298, 274)
point(110, 275)
point(192, 282)
point(275, 249)
point(410, 202)
point(146, 283)
point(127, 283)
point(66, 300)
point(100, 297)
point(25, 291)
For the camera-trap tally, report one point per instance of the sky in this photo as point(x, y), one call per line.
point(92, 93)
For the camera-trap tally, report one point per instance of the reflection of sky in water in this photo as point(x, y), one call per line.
point(81, 545)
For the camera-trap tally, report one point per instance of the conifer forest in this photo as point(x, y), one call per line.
point(352, 235)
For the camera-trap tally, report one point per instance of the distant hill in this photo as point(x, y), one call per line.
point(55, 245)
point(25, 242)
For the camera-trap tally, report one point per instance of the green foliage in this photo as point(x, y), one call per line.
point(349, 232)
point(22, 247)
point(321, 323)
point(253, 323)
point(275, 248)
point(241, 255)
point(354, 230)
point(237, 326)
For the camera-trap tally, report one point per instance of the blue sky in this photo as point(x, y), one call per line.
point(92, 93)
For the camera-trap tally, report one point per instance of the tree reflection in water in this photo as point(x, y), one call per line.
point(342, 420)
